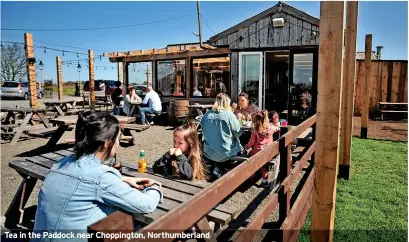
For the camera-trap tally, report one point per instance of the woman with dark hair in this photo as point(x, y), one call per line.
point(245, 109)
point(79, 191)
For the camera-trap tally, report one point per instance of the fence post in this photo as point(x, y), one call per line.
point(285, 169)
point(91, 79)
point(367, 84)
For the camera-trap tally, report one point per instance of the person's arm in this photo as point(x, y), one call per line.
point(113, 191)
point(138, 98)
point(160, 166)
point(251, 141)
point(235, 125)
point(146, 99)
point(185, 168)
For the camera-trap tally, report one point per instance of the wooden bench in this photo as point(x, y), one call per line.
point(389, 107)
point(44, 132)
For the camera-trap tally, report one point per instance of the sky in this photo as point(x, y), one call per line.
point(157, 24)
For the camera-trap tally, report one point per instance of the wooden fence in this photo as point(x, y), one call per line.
point(292, 207)
point(388, 83)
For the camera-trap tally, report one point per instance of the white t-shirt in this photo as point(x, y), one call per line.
point(197, 93)
point(154, 101)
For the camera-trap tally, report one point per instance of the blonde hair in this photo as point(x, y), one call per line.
point(222, 102)
point(194, 156)
point(260, 121)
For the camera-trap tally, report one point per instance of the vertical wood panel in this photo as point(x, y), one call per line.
point(359, 87)
point(395, 82)
point(405, 92)
point(240, 43)
point(253, 38)
point(234, 75)
point(374, 85)
point(384, 88)
point(306, 36)
point(299, 32)
point(402, 81)
point(262, 27)
point(246, 38)
point(286, 31)
point(315, 38)
point(293, 30)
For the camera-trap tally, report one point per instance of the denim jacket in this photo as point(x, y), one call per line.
point(78, 193)
point(221, 132)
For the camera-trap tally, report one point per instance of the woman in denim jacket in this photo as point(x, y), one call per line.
point(79, 191)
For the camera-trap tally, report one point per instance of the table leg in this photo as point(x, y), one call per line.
point(60, 112)
point(21, 128)
point(14, 214)
point(10, 114)
point(44, 119)
point(57, 135)
point(204, 227)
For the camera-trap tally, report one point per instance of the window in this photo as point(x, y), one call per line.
point(139, 74)
point(211, 76)
point(171, 77)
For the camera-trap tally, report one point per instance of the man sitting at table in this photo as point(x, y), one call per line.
point(130, 99)
point(154, 103)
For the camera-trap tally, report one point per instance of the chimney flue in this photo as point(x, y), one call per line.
point(379, 52)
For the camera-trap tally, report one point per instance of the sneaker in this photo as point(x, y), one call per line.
point(151, 123)
point(265, 184)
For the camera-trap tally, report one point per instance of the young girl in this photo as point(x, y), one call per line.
point(261, 136)
point(184, 159)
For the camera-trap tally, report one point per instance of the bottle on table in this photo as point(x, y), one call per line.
point(142, 162)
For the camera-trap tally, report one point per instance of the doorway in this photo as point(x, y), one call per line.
point(276, 81)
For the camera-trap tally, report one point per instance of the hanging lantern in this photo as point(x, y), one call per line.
point(79, 67)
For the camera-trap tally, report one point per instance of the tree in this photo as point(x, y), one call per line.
point(13, 62)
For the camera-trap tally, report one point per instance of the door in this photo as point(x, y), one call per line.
point(250, 76)
point(303, 84)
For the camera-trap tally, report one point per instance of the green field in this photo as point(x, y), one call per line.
point(372, 205)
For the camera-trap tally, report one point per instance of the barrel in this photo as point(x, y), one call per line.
point(177, 107)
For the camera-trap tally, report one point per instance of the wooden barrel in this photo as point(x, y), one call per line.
point(177, 108)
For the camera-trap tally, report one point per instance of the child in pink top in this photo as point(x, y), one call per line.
point(261, 136)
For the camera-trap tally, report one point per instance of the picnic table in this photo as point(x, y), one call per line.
point(389, 107)
point(175, 191)
point(64, 122)
point(62, 107)
point(11, 121)
point(197, 108)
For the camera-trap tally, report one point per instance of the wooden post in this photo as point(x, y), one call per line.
point(31, 69)
point(187, 77)
point(154, 74)
point(348, 89)
point(284, 198)
point(119, 69)
point(148, 76)
point(327, 126)
point(91, 79)
point(59, 78)
point(365, 96)
point(125, 76)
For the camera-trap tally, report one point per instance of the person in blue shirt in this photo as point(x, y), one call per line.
point(79, 191)
point(154, 103)
point(221, 131)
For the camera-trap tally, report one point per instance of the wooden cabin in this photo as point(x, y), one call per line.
point(272, 56)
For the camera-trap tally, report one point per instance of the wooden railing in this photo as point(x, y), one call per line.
point(291, 218)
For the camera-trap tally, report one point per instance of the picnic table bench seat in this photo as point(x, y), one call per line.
point(44, 132)
point(389, 107)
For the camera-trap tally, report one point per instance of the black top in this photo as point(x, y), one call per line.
point(115, 96)
point(164, 166)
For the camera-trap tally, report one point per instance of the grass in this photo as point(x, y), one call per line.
point(372, 205)
point(67, 90)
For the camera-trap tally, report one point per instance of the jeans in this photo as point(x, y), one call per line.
point(117, 110)
point(147, 110)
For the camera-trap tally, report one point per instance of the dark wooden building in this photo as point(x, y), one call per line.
point(272, 56)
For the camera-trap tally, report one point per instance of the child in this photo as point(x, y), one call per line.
point(261, 136)
point(184, 160)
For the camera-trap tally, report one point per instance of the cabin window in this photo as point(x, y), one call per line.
point(211, 76)
point(171, 77)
